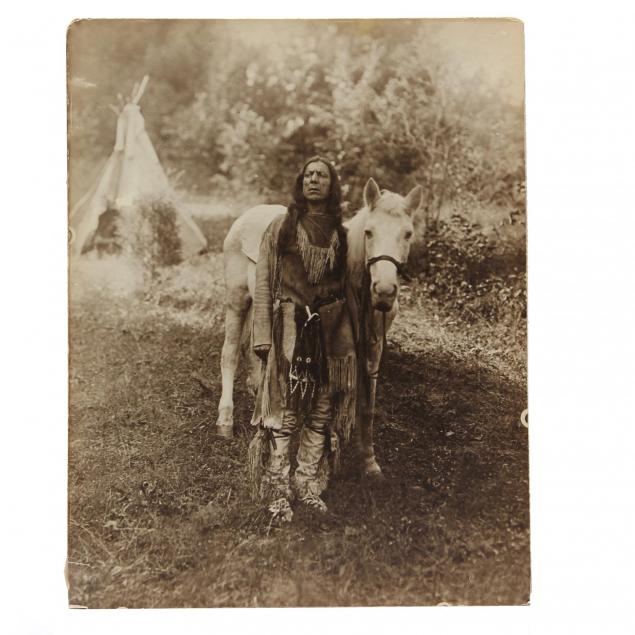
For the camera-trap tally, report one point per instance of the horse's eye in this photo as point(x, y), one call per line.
point(408, 235)
point(369, 234)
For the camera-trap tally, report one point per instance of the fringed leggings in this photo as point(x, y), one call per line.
point(311, 475)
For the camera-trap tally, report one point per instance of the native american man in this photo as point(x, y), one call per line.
point(303, 332)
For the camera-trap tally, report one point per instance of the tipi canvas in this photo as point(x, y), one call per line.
point(133, 172)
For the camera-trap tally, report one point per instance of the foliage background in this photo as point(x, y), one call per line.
point(238, 104)
point(233, 107)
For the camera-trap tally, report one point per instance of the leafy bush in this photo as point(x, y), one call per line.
point(329, 93)
point(150, 234)
point(464, 269)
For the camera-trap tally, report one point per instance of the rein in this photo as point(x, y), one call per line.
point(375, 375)
point(367, 312)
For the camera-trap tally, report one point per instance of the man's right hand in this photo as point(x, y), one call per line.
point(262, 351)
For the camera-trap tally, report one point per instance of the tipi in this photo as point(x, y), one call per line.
point(132, 172)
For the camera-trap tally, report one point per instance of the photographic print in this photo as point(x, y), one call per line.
point(297, 313)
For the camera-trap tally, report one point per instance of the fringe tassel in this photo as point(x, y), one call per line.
point(343, 385)
point(322, 476)
point(256, 456)
point(342, 374)
point(265, 403)
point(336, 452)
point(316, 260)
point(345, 415)
point(289, 330)
point(269, 250)
point(256, 417)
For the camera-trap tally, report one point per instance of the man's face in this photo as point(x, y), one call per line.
point(316, 183)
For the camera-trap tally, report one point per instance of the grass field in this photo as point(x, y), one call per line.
point(159, 507)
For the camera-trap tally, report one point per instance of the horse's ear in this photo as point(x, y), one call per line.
point(371, 193)
point(413, 201)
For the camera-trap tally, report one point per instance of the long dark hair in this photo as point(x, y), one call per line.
point(298, 207)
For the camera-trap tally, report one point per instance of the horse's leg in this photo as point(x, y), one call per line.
point(365, 420)
point(366, 414)
point(236, 306)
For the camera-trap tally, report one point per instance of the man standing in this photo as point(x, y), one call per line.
point(304, 335)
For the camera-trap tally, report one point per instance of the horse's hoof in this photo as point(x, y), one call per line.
point(225, 418)
point(372, 471)
point(227, 432)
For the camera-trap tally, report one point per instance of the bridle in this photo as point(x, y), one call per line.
point(399, 265)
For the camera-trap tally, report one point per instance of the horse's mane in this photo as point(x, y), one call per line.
point(355, 258)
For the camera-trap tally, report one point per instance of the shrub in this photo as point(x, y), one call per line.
point(461, 268)
point(150, 233)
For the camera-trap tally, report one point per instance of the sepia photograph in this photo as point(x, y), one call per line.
point(297, 276)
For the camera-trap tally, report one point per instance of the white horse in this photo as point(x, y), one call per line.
point(378, 239)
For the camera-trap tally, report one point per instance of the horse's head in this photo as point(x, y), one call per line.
point(387, 231)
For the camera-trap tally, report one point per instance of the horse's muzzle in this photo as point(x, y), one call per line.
point(383, 305)
point(384, 295)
